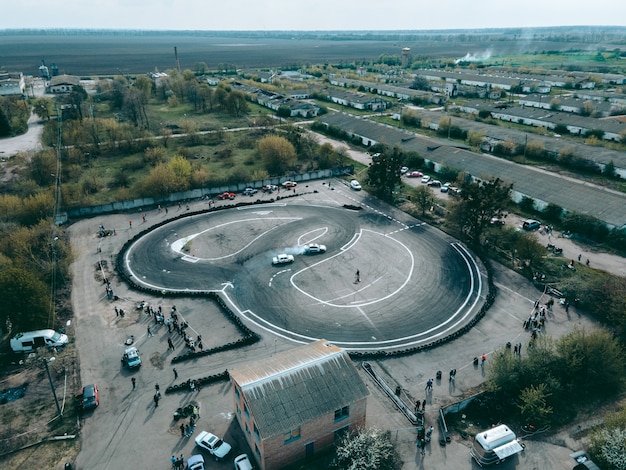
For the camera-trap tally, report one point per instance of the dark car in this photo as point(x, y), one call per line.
point(90, 397)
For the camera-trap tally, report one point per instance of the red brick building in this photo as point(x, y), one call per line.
point(298, 402)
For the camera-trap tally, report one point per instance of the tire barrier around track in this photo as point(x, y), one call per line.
point(245, 341)
point(489, 300)
point(186, 386)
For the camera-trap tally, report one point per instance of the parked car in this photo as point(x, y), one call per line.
point(269, 188)
point(242, 462)
point(530, 225)
point(131, 358)
point(290, 184)
point(226, 195)
point(403, 170)
point(90, 397)
point(354, 184)
point(445, 188)
point(426, 179)
point(415, 174)
point(282, 259)
point(314, 248)
point(250, 191)
point(435, 184)
point(195, 462)
point(497, 221)
point(212, 444)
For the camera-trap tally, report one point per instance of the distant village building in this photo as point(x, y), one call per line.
point(298, 402)
point(62, 84)
point(11, 83)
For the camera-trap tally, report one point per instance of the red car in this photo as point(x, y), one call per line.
point(415, 174)
point(227, 195)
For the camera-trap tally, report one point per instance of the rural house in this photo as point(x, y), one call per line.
point(62, 84)
point(298, 402)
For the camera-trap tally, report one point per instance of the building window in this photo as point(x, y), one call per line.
point(245, 410)
point(342, 413)
point(256, 431)
point(257, 451)
point(237, 394)
point(292, 435)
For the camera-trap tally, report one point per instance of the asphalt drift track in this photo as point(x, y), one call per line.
point(416, 284)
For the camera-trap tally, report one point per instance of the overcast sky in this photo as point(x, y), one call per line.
point(308, 15)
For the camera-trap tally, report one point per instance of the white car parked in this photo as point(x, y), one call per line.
point(242, 462)
point(354, 184)
point(213, 444)
point(426, 179)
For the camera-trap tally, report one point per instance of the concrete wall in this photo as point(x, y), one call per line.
point(195, 194)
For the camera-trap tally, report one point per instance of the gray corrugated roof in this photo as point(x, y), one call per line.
point(294, 387)
point(568, 193)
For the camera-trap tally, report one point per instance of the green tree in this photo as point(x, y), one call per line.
point(42, 167)
point(608, 441)
point(236, 103)
point(277, 153)
point(43, 107)
point(29, 300)
point(609, 169)
point(528, 249)
point(533, 404)
point(423, 198)
point(367, 449)
point(5, 125)
point(181, 169)
point(384, 173)
point(480, 202)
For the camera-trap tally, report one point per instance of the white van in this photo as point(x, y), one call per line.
point(495, 445)
point(30, 340)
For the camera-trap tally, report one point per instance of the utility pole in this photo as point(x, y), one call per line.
point(54, 393)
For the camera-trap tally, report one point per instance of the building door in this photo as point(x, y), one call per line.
point(309, 450)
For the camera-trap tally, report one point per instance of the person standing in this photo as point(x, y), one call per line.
point(134, 381)
point(175, 373)
point(130, 224)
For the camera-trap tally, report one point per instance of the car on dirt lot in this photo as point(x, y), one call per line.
point(250, 191)
point(227, 195)
point(282, 259)
point(426, 179)
point(242, 462)
point(403, 170)
point(445, 188)
point(90, 397)
point(212, 444)
point(195, 462)
point(314, 248)
point(435, 184)
point(414, 174)
point(354, 184)
point(131, 358)
point(269, 188)
point(290, 184)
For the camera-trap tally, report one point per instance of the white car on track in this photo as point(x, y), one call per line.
point(282, 259)
point(314, 248)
